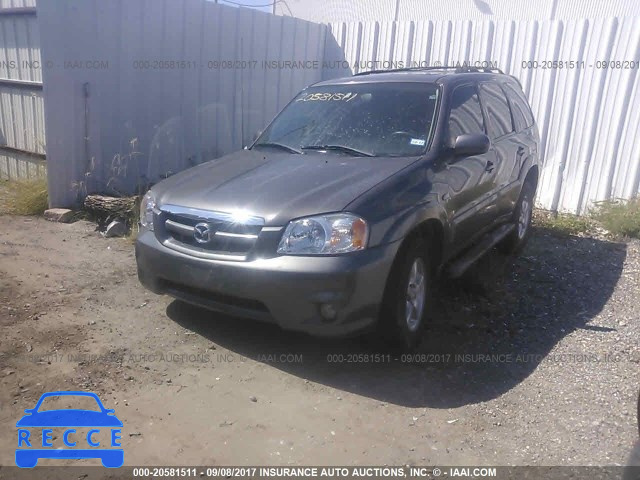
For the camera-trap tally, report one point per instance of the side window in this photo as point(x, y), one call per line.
point(521, 112)
point(465, 115)
point(497, 108)
point(516, 110)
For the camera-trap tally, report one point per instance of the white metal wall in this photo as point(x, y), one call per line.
point(17, 3)
point(114, 126)
point(328, 11)
point(133, 117)
point(22, 137)
point(589, 117)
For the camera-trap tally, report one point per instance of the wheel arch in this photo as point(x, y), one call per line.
point(533, 174)
point(432, 232)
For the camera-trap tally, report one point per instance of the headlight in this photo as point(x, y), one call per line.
point(324, 235)
point(147, 206)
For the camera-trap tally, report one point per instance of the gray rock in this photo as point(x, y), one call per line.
point(116, 229)
point(61, 215)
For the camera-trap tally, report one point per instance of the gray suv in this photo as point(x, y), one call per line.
point(339, 218)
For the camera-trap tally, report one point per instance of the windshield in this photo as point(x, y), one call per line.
point(370, 119)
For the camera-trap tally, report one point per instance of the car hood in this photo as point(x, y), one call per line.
point(69, 418)
point(277, 186)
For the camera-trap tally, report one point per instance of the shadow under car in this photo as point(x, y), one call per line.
point(490, 329)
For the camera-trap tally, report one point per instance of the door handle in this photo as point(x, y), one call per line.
point(520, 151)
point(490, 166)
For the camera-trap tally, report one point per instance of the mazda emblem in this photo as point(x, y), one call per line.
point(203, 232)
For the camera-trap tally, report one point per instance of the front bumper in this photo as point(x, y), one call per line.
point(287, 290)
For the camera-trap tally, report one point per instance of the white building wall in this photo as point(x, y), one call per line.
point(588, 116)
point(327, 11)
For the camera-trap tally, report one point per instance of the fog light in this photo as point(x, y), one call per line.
point(328, 311)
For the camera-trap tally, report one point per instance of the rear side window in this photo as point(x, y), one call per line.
point(465, 115)
point(497, 108)
point(519, 107)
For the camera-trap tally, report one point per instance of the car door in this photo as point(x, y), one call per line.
point(469, 179)
point(504, 143)
point(526, 142)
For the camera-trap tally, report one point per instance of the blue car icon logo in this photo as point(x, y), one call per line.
point(103, 429)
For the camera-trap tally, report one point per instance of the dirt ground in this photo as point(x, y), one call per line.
point(532, 361)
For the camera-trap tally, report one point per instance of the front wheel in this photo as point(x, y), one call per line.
point(517, 239)
point(407, 299)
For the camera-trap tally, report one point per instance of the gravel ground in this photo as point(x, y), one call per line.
point(530, 361)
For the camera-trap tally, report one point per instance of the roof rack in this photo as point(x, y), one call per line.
point(456, 68)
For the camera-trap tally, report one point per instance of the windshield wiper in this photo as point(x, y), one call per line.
point(341, 148)
point(278, 145)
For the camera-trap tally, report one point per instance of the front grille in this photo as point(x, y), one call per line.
point(213, 299)
point(209, 234)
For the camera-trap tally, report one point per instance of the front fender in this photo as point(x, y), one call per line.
point(397, 206)
point(412, 218)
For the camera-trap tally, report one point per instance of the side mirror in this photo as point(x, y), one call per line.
point(471, 144)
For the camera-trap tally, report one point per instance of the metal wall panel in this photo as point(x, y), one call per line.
point(115, 127)
point(21, 101)
point(17, 4)
point(588, 116)
point(138, 118)
point(338, 10)
point(20, 47)
point(22, 119)
point(17, 166)
point(329, 11)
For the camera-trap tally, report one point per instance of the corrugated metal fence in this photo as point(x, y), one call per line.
point(137, 90)
point(588, 109)
point(328, 11)
point(22, 137)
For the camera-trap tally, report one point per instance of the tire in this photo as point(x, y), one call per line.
point(408, 298)
point(516, 240)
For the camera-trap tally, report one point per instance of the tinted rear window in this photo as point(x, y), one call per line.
point(497, 108)
point(519, 106)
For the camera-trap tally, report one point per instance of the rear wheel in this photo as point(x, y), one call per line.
point(408, 298)
point(517, 239)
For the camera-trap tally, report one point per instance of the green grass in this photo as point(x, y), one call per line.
point(24, 197)
point(562, 223)
point(616, 218)
point(619, 217)
point(132, 222)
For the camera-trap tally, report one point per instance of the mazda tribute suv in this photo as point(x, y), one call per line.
point(339, 218)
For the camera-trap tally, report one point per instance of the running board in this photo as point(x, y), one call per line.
point(460, 265)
